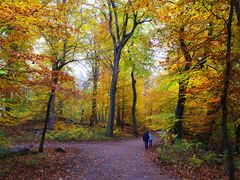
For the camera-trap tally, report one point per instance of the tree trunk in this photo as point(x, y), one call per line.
point(237, 9)
point(182, 87)
point(180, 109)
point(134, 122)
point(238, 139)
point(52, 114)
point(8, 94)
point(224, 97)
point(16, 151)
point(94, 98)
point(117, 54)
point(123, 109)
point(46, 120)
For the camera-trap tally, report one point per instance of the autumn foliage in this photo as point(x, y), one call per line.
point(169, 66)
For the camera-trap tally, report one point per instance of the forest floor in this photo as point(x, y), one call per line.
point(103, 160)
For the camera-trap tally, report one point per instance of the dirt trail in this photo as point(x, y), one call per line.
point(123, 159)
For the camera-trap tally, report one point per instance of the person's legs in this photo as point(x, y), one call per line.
point(150, 143)
point(146, 144)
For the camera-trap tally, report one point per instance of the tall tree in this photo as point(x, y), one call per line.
point(120, 35)
point(225, 93)
point(95, 75)
point(134, 121)
point(63, 38)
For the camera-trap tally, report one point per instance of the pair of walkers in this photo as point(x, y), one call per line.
point(147, 138)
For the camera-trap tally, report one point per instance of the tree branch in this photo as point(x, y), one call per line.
point(110, 25)
point(116, 20)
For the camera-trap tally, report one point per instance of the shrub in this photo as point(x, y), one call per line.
point(213, 158)
point(77, 134)
point(180, 150)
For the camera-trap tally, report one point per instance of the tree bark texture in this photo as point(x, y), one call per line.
point(113, 91)
point(120, 36)
point(94, 95)
point(41, 146)
point(178, 129)
point(224, 100)
point(52, 113)
point(134, 121)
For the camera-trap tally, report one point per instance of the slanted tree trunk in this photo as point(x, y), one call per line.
point(182, 86)
point(46, 121)
point(224, 101)
point(180, 109)
point(134, 121)
point(52, 113)
point(184, 82)
point(56, 67)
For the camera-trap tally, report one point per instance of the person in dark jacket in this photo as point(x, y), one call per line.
point(145, 139)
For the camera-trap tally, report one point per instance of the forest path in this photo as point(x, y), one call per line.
point(123, 159)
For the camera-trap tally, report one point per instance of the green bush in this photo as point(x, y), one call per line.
point(179, 151)
point(213, 158)
point(166, 155)
point(184, 151)
point(77, 134)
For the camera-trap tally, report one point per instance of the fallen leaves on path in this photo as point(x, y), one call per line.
point(48, 165)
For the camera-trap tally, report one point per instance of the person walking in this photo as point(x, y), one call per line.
point(146, 139)
point(150, 139)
